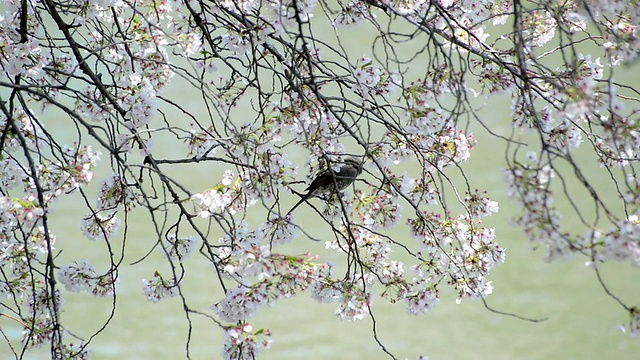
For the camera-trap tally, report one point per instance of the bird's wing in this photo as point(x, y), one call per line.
point(319, 179)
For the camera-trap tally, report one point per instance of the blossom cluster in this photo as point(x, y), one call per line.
point(380, 209)
point(218, 198)
point(528, 183)
point(242, 342)
point(201, 142)
point(621, 243)
point(82, 275)
point(241, 303)
point(424, 296)
point(371, 80)
point(428, 126)
point(179, 247)
point(479, 205)
point(303, 116)
point(262, 276)
point(353, 300)
point(447, 147)
point(374, 251)
point(158, 288)
point(274, 170)
point(31, 182)
point(355, 305)
point(457, 249)
point(351, 15)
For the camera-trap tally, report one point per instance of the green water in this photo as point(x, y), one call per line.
point(581, 318)
point(580, 323)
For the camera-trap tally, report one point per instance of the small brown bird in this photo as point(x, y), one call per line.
point(329, 180)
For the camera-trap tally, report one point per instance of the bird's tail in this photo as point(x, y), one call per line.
point(303, 199)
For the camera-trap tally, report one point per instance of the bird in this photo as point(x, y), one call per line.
point(328, 181)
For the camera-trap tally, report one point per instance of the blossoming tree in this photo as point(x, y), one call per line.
point(275, 79)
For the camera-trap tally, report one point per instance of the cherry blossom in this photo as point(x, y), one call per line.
point(180, 248)
point(100, 226)
point(270, 95)
point(242, 342)
point(158, 288)
point(354, 305)
point(241, 303)
point(351, 15)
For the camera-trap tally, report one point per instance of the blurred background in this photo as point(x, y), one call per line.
point(581, 320)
